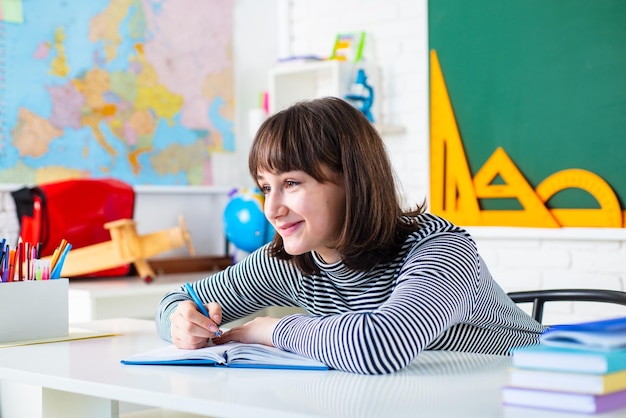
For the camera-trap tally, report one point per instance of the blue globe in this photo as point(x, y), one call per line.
point(245, 224)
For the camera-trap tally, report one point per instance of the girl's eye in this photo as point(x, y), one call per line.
point(265, 189)
point(291, 183)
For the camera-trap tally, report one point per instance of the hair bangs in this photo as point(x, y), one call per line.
point(287, 142)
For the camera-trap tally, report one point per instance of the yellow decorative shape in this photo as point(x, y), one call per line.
point(451, 187)
point(534, 212)
point(454, 195)
point(609, 215)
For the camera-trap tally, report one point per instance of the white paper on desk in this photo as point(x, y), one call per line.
point(73, 334)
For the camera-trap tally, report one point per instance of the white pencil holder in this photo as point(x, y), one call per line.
point(33, 310)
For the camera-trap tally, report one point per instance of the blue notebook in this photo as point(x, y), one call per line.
point(240, 355)
point(606, 334)
point(582, 359)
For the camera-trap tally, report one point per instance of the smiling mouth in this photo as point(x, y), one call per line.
point(287, 229)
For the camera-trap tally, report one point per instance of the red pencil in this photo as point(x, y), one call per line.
point(20, 260)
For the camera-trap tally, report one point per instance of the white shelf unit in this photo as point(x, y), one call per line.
point(293, 82)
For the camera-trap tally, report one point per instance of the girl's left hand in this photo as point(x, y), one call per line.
point(257, 331)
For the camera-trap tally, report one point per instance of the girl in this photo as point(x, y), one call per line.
point(380, 284)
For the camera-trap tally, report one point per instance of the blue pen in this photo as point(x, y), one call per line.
point(5, 267)
point(199, 304)
point(56, 271)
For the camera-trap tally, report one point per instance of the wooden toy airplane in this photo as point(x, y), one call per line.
point(126, 246)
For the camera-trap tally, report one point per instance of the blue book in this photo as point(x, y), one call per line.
point(232, 354)
point(581, 359)
point(606, 334)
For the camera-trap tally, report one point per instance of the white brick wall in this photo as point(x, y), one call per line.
point(587, 258)
point(396, 40)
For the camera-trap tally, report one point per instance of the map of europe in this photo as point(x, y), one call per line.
point(138, 90)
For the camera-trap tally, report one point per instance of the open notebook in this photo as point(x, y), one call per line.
point(227, 355)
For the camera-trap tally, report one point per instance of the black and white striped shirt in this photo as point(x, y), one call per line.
point(437, 294)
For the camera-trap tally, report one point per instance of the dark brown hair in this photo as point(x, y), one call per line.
point(329, 132)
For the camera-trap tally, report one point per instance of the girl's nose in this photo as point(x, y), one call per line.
point(273, 206)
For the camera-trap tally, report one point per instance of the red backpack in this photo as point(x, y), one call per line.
point(74, 210)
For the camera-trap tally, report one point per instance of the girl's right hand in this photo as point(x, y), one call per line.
point(190, 329)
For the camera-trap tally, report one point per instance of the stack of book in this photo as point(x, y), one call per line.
point(575, 367)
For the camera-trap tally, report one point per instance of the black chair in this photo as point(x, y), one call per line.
point(539, 297)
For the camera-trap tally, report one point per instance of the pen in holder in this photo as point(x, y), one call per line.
point(42, 270)
point(32, 306)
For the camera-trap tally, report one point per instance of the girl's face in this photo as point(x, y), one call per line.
point(307, 214)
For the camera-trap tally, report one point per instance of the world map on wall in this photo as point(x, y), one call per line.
point(138, 90)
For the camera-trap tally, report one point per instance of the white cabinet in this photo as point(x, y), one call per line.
point(292, 82)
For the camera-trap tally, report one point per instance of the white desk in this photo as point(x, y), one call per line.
point(84, 378)
point(121, 297)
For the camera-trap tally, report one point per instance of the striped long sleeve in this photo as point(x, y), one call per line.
point(436, 294)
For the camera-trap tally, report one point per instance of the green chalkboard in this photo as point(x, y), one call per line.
point(544, 79)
